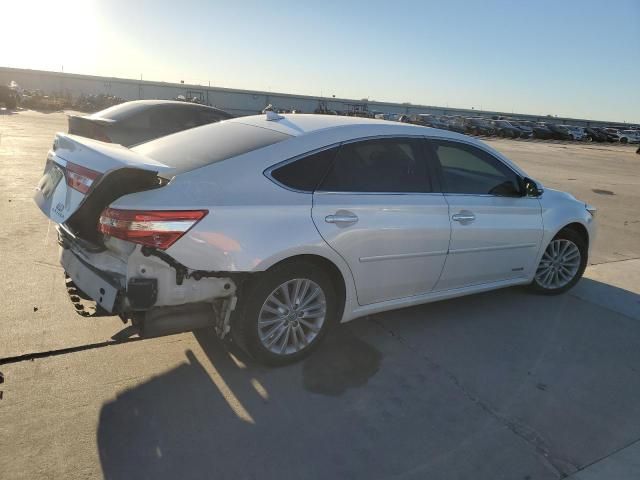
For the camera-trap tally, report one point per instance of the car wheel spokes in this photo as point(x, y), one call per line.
point(559, 264)
point(291, 316)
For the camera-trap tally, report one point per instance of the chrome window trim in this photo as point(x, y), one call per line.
point(330, 192)
point(399, 256)
point(492, 248)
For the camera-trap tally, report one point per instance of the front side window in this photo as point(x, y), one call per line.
point(382, 165)
point(470, 170)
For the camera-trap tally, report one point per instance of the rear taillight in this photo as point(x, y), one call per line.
point(154, 228)
point(80, 178)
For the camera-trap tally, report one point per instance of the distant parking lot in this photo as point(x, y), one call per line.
point(499, 385)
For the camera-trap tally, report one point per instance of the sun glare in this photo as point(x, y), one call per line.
point(51, 34)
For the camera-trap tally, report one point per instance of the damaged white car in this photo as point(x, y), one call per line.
point(273, 228)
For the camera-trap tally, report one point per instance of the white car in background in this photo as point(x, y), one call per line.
point(575, 132)
point(629, 136)
point(275, 228)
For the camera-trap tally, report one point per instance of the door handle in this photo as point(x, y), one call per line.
point(464, 217)
point(341, 219)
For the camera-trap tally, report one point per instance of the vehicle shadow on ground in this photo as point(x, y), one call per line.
point(408, 391)
point(178, 424)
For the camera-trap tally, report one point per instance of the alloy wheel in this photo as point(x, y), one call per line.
point(559, 264)
point(292, 316)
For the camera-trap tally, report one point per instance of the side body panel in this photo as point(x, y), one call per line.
point(501, 243)
point(397, 246)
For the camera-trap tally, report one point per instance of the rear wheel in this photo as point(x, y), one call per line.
point(285, 313)
point(624, 140)
point(562, 264)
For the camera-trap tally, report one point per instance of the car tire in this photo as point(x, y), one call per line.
point(263, 300)
point(624, 140)
point(559, 268)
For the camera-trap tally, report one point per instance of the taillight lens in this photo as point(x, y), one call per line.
point(80, 178)
point(154, 228)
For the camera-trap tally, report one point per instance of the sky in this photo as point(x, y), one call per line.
point(577, 58)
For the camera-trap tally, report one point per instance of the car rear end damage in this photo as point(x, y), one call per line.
point(116, 257)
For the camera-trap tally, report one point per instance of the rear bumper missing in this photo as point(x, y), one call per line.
point(125, 279)
point(106, 289)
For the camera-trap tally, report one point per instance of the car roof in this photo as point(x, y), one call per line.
point(304, 124)
point(135, 106)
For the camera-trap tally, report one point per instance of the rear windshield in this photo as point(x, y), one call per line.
point(200, 146)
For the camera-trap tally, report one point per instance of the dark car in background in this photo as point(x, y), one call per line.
point(454, 124)
point(139, 121)
point(560, 132)
point(613, 135)
point(428, 120)
point(596, 134)
point(525, 126)
point(541, 130)
point(504, 128)
point(479, 126)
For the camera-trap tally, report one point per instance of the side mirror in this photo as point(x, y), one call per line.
point(531, 188)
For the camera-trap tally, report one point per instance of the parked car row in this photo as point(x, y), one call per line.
point(511, 128)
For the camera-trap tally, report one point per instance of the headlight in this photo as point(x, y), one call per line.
point(591, 209)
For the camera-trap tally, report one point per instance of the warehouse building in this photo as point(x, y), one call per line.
point(237, 102)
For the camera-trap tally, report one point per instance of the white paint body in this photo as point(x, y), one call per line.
point(404, 250)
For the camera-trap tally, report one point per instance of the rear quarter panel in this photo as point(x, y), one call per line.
point(252, 223)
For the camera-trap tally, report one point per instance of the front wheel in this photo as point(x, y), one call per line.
point(562, 264)
point(285, 313)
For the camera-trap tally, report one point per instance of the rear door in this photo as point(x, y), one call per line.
point(495, 231)
point(377, 209)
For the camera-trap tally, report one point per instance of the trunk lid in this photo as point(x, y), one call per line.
point(82, 176)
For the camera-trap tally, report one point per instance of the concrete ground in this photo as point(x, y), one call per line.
point(502, 385)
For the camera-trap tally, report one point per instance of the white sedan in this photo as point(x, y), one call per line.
point(629, 136)
point(274, 228)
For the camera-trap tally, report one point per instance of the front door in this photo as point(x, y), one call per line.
point(376, 209)
point(495, 231)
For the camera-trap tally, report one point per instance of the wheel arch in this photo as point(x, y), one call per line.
point(578, 228)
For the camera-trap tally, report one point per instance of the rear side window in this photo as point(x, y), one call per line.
point(470, 170)
point(305, 173)
point(200, 146)
point(383, 166)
